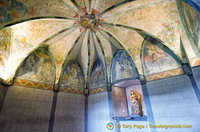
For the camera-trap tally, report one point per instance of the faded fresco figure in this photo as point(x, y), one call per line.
point(28, 68)
point(30, 65)
point(120, 70)
point(193, 22)
point(157, 60)
point(150, 61)
point(73, 77)
point(128, 68)
point(37, 67)
point(4, 45)
point(97, 75)
point(123, 68)
point(136, 105)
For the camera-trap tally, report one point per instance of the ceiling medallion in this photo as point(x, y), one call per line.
point(88, 21)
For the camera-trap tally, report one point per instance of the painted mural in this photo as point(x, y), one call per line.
point(97, 78)
point(156, 17)
point(123, 67)
point(192, 19)
point(157, 60)
point(159, 18)
point(4, 44)
point(73, 76)
point(37, 67)
point(12, 11)
point(7, 8)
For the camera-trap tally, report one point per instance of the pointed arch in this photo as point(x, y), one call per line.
point(116, 45)
point(123, 67)
point(190, 20)
point(153, 53)
point(98, 76)
point(38, 66)
point(113, 7)
point(97, 42)
point(68, 58)
point(72, 76)
point(33, 18)
point(194, 4)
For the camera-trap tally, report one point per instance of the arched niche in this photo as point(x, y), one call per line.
point(128, 101)
point(157, 58)
point(97, 77)
point(37, 67)
point(72, 76)
point(123, 67)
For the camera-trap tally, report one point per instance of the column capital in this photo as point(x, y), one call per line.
point(186, 69)
point(142, 79)
point(109, 87)
point(56, 88)
point(86, 92)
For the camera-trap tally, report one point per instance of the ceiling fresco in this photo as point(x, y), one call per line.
point(192, 21)
point(83, 36)
point(156, 59)
point(37, 67)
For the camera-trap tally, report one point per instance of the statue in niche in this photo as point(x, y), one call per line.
point(136, 105)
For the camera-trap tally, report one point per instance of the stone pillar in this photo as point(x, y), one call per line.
point(147, 102)
point(188, 71)
point(86, 93)
point(3, 92)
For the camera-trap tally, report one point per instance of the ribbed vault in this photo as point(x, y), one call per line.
point(84, 38)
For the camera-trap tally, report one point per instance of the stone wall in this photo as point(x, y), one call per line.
point(196, 73)
point(26, 110)
point(174, 102)
point(98, 112)
point(29, 110)
point(70, 113)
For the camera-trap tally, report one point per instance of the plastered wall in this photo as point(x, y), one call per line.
point(25, 109)
point(98, 112)
point(174, 102)
point(29, 110)
point(70, 111)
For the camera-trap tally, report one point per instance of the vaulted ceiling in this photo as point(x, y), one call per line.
point(84, 32)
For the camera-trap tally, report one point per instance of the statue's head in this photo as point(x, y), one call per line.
point(134, 95)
